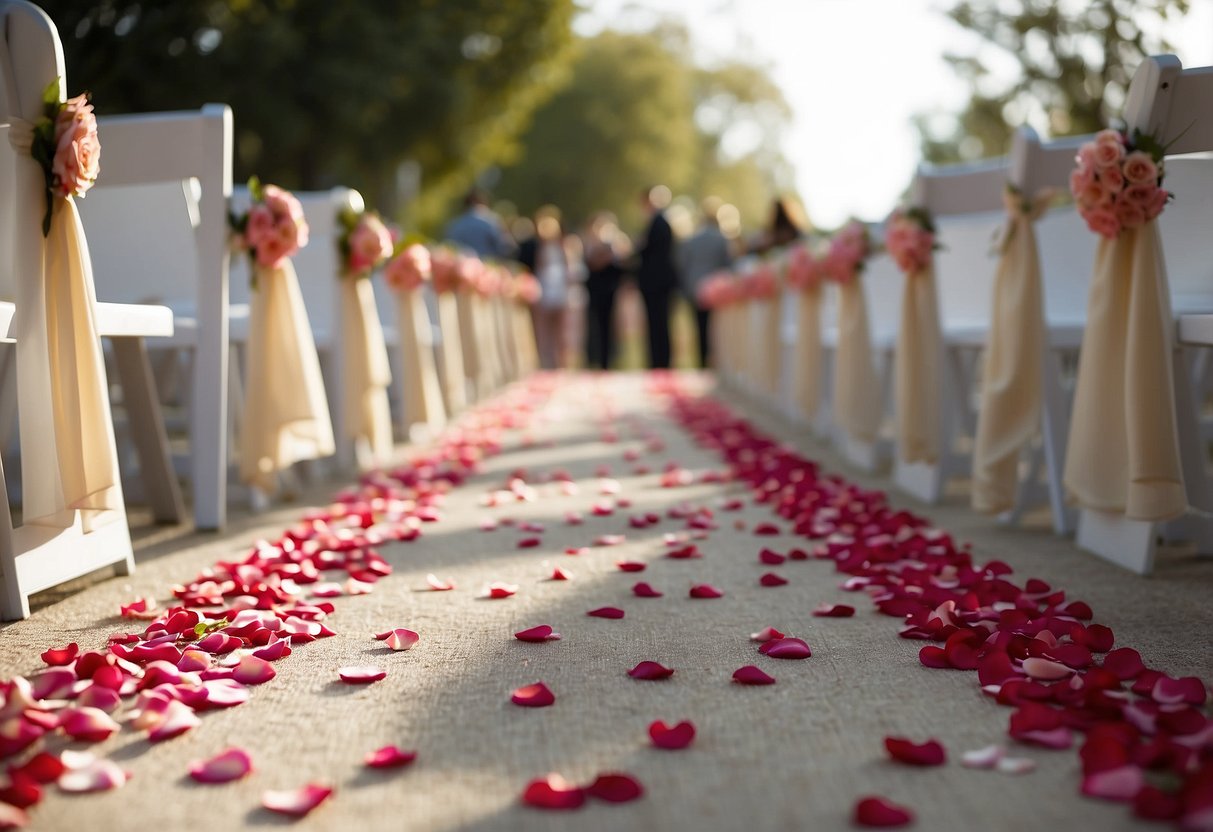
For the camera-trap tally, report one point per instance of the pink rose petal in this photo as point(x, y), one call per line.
point(1015, 765)
point(1120, 784)
point(390, 756)
point(706, 591)
point(786, 648)
point(94, 776)
point(226, 766)
point(766, 634)
point(177, 719)
point(402, 639)
point(542, 632)
point(771, 579)
point(553, 792)
point(296, 802)
point(987, 757)
point(929, 753)
point(610, 540)
point(361, 675)
point(561, 574)
point(87, 724)
point(644, 590)
point(880, 813)
point(750, 675)
point(651, 671)
point(499, 590)
point(1046, 670)
point(606, 612)
point(615, 788)
point(438, 585)
point(833, 611)
point(537, 695)
point(672, 737)
point(253, 671)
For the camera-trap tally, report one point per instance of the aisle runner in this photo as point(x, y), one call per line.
point(1147, 737)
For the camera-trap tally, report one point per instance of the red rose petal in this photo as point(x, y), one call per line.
point(606, 612)
point(771, 579)
point(880, 813)
point(932, 656)
point(1120, 784)
point(437, 584)
point(651, 671)
point(929, 753)
point(498, 590)
point(833, 611)
point(553, 792)
point(390, 756)
point(1125, 662)
point(687, 552)
point(561, 574)
point(542, 632)
point(644, 590)
point(631, 566)
point(87, 724)
point(750, 675)
point(253, 671)
point(610, 540)
point(672, 737)
point(616, 788)
point(706, 591)
point(226, 766)
point(766, 529)
point(296, 802)
point(786, 648)
point(361, 675)
point(537, 695)
point(766, 634)
point(529, 542)
point(771, 558)
point(60, 656)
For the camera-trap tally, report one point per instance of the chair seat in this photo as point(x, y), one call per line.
point(134, 320)
point(1196, 329)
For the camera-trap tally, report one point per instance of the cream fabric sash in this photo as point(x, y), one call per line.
point(454, 373)
point(366, 372)
point(286, 414)
point(856, 388)
point(486, 344)
point(524, 339)
point(469, 340)
point(422, 390)
point(772, 336)
point(1123, 453)
point(808, 348)
point(916, 370)
point(1011, 380)
point(501, 334)
point(65, 408)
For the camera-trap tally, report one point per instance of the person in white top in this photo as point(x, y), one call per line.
point(545, 256)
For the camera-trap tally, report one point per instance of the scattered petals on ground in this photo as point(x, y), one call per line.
point(390, 756)
point(296, 802)
point(672, 737)
point(651, 671)
point(537, 695)
point(226, 766)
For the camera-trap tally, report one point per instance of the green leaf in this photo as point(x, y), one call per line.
point(52, 94)
point(200, 628)
point(255, 189)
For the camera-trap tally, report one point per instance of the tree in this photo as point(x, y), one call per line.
point(1074, 61)
point(637, 112)
point(329, 92)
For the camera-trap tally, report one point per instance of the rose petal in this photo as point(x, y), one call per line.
point(178, 718)
point(390, 756)
point(1121, 784)
point(561, 574)
point(631, 566)
point(542, 632)
point(786, 648)
point(767, 530)
point(987, 757)
point(833, 611)
point(929, 753)
point(672, 737)
point(651, 671)
point(706, 591)
point(60, 656)
point(616, 788)
point(537, 695)
point(273, 651)
point(878, 812)
point(610, 540)
point(95, 776)
point(499, 590)
point(529, 542)
point(771, 579)
point(606, 612)
point(226, 766)
point(87, 724)
point(1015, 765)
point(644, 590)
point(1045, 669)
point(766, 634)
point(361, 675)
point(296, 802)
point(438, 585)
point(750, 675)
point(253, 671)
point(553, 792)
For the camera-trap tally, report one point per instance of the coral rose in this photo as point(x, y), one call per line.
point(1103, 222)
point(1139, 168)
point(77, 158)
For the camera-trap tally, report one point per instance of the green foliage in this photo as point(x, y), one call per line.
point(636, 112)
point(1074, 60)
point(328, 93)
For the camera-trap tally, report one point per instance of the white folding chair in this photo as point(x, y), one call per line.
point(966, 203)
point(159, 215)
point(37, 556)
point(1174, 105)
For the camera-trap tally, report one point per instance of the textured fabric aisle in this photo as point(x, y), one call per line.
point(793, 755)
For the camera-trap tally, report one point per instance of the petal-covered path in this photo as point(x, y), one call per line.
point(558, 524)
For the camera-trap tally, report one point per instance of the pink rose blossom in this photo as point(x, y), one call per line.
point(1108, 154)
point(408, 269)
point(444, 266)
point(369, 243)
point(77, 159)
point(1109, 137)
point(1130, 215)
point(1139, 168)
point(1112, 179)
point(1157, 203)
point(260, 224)
point(1086, 155)
point(1103, 222)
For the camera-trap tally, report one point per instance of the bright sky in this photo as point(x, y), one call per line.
point(854, 72)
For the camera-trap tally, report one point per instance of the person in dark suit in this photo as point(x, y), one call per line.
point(656, 276)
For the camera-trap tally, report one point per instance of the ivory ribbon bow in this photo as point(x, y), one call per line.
point(70, 462)
point(1011, 380)
point(366, 373)
point(1123, 453)
point(286, 414)
point(856, 388)
point(808, 376)
point(916, 368)
point(422, 390)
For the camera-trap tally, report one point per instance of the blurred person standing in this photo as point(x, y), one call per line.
point(479, 229)
point(656, 275)
point(546, 258)
point(787, 224)
point(705, 252)
point(604, 246)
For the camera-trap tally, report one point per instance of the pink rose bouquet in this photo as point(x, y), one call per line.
point(408, 268)
point(717, 290)
point(65, 145)
point(445, 262)
point(274, 227)
point(1117, 183)
point(849, 249)
point(365, 242)
point(804, 268)
point(909, 237)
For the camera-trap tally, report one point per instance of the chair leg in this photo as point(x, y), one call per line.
point(147, 431)
point(1054, 419)
point(14, 605)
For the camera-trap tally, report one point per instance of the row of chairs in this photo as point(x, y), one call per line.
point(966, 202)
point(171, 306)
